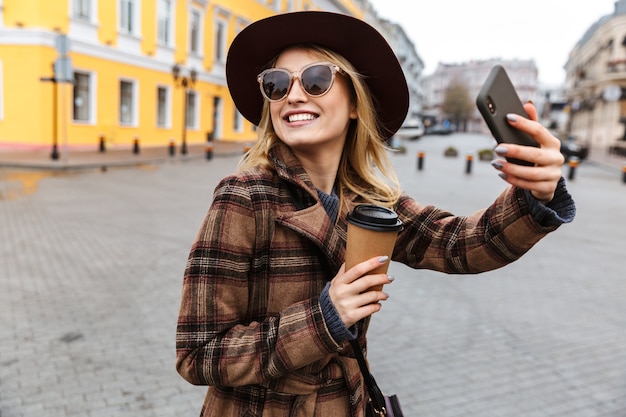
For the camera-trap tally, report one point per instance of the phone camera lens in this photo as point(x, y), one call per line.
point(491, 106)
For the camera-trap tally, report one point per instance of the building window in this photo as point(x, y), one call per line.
point(220, 38)
point(164, 22)
point(195, 31)
point(163, 107)
point(82, 9)
point(127, 102)
point(81, 100)
point(238, 122)
point(192, 108)
point(127, 16)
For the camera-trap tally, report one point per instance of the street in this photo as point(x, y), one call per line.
point(91, 266)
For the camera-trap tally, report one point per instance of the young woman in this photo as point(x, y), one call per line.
point(268, 308)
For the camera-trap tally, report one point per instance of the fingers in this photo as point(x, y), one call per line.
point(364, 268)
point(351, 291)
point(356, 308)
point(543, 156)
point(549, 151)
point(542, 178)
point(531, 110)
point(541, 135)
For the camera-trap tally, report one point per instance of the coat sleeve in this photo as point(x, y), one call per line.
point(486, 240)
point(217, 343)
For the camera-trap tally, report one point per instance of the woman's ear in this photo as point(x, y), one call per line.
point(353, 113)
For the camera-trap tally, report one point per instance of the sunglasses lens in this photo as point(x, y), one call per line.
point(276, 84)
point(317, 79)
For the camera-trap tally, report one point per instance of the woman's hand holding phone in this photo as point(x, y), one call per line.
point(531, 155)
point(542, 177)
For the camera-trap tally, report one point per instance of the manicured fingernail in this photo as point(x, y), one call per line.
point(496, 164)
point(503, 175)
point(501, 150)
point(383, 259)
point(511, 117)
point(391, 278)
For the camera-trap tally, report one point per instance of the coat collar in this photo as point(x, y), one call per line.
point(311, 221)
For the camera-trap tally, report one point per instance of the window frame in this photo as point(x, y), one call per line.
point(165, 11)
point(193, 109)
point(166, 106)
point(196, 40)
point(133, 104)
point(89, 99)
point(79, 5)
point(129, 25)
point(238, 122)
point(219, 44)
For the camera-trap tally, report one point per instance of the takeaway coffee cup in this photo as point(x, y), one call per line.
point(372, 231)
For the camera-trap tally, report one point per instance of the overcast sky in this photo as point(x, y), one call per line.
point(456, 31)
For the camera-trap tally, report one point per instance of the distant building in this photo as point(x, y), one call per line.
point(596, 82)
point(552, 108)
point(409, 59)
point(472, 74)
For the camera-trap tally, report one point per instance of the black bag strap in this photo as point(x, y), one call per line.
point(376, 396)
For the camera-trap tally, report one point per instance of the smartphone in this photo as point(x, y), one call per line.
point(496, 99)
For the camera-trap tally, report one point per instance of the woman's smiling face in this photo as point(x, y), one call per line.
point(308, 123)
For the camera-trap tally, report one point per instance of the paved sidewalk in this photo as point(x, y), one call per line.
point(91, 265)
point(75, 159)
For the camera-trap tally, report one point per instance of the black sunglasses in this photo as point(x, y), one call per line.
point(316, 80)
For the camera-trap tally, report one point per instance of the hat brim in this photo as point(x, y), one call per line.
point(358, 42)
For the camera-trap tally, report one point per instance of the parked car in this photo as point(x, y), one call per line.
point(412, 129)
point(439, 130)
point(570, 148)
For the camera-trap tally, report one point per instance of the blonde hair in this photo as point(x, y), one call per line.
point(365, 167)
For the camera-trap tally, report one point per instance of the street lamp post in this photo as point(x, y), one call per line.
point(186, 82)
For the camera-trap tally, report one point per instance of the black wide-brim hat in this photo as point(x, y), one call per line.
point(257, 44)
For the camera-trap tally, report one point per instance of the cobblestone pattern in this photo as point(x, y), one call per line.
point(91, 266)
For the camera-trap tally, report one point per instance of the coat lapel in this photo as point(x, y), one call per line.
point(311, 221)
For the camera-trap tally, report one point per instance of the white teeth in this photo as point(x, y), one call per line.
point(300, 117)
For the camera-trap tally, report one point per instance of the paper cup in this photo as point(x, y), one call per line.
point(372, 231)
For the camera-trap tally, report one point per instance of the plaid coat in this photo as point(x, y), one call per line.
point(250, 324)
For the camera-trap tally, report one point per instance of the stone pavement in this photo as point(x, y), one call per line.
point(91, 264)
point(121, 156)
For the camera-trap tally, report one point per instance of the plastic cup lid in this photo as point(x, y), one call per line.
point(373, 217)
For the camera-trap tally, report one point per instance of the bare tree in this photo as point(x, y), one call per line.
point(457, 105)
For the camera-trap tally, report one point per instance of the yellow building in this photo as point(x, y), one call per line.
point(126, 70)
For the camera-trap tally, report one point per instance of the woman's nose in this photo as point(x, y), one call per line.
point(296, 93)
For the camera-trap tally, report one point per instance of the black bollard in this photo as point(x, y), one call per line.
point(136, 145)
point(102, 147)
point(420, 161)
point(209, 152)
point(172, 148)
point(468, 165)
point(573, 164)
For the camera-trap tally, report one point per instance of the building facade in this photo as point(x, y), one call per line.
point(84, 72)
point(411, 62)
point(472, 75)
point(596, 83)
